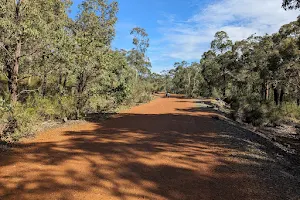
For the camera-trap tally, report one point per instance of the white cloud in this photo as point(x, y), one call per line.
point(187, 40)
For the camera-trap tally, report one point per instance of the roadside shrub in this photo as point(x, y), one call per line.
point(23, 119)
point(142, 93)
point(291, 111)
point(216, 93)
point(249, 109)
point(144, 97)
point(274, 115)
point(99, 103)
point(67, 107)
point(52, 108)
point(5, 119)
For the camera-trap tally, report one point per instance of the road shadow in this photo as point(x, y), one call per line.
point(209, 111)
point(203, 105)
point(140, 156)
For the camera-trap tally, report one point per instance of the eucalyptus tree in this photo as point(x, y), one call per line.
point(220, 45)
point(197, 79)
point(291, 4)
point(26, 28)
point(288, 49)
point(181, 77)
point(210, 71)
point(94, 30)
point(137, 57)
point(168, 80)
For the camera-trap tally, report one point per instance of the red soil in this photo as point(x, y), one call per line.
point(167, 149)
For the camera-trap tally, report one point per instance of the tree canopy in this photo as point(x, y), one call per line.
point(291, 4)
point(56, 67)
point(250, 74)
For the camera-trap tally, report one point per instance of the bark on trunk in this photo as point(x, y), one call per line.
point(59, 78)
point(14, 74)
point(281, 98)
point(189, 86)
point(194, 86)
point(224, 82)
point(262, 92)
point(44, 84)
point(82, 80)
point(267, 91)
point(65, 80)
point(13, 68)
point(276, 96)
point(210, 89)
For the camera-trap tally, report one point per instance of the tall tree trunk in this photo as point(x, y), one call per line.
point(189, 85)
point(44, 84)
point(81, 85)
point(14, 67)
point(14, 70)
point(194, 85)
point(263, 92)
point(276, 96)
point(136, 74)
point(65, 80)
point(8, 65)
point(210, 89)
point(59, 78)
point(281, 95)
point(267, 91)
point(224, 82)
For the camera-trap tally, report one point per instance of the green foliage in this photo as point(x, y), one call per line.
point(290, 111)
point(53, 108)
point(291, 4)
point(215, 93)
point(26, 118)
point(55, 67)
point(23, 119)
point(258, 76)
point(137, 56)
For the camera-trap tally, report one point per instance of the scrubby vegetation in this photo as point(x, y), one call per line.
point(258, 76)
point(54, 67)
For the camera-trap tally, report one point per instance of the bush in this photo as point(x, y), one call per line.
point(99, 103)
point(52, 108)
point(6, 122)
point(249, 109)
point(216, 93)
point(26, 119)
point(291, 111)
point(22, 120)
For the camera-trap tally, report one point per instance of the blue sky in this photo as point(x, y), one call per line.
point(182, 29)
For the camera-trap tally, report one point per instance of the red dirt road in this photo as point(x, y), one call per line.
point(167, 149)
